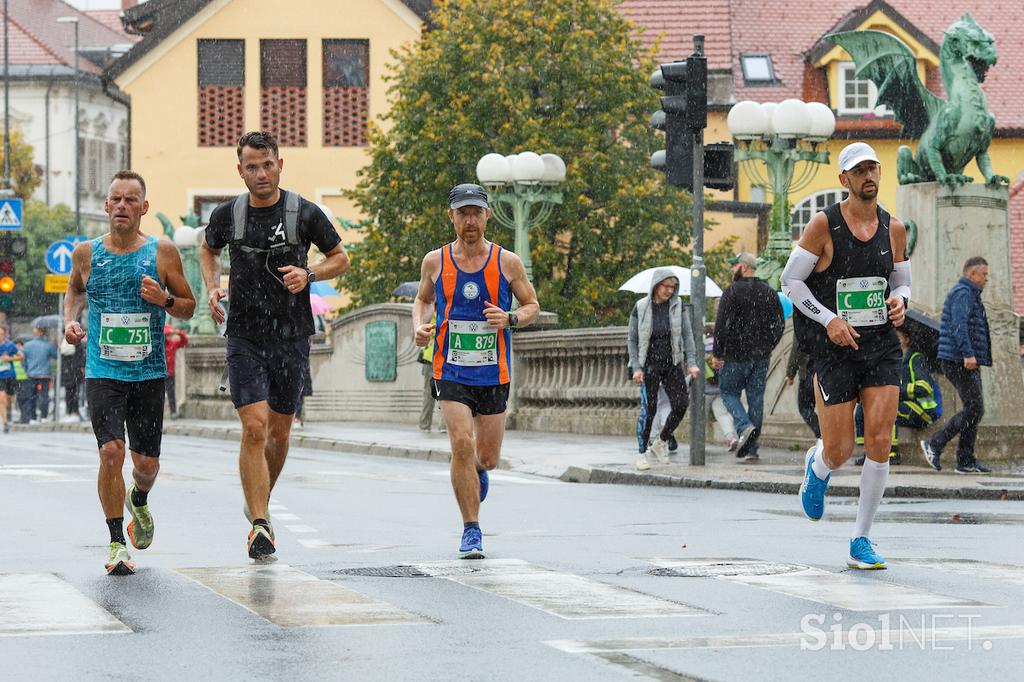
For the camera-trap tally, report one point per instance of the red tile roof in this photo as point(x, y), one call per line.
point(111, 18)
point(788, 29)
point(26, 48)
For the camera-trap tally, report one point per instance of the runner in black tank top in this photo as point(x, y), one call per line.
point(850, 281)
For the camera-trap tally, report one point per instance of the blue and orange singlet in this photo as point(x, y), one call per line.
point(466, 349)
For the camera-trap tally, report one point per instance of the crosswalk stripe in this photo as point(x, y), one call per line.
point(980, 569)
point(841, 590)
point(908, 638)
point(561, 594)
point(291, 598)
point(43, 604)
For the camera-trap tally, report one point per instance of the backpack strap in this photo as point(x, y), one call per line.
point(239, 214)
point(291, 217)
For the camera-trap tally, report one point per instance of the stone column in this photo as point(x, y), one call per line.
point(953, 225)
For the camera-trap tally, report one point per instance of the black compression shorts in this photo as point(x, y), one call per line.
point(139, 405)
point(842, 378)
point(273, 371)
point(480, 399)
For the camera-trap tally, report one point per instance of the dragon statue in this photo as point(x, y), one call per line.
point(951, 132)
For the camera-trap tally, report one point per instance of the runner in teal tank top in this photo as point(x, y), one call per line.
point(122, 277)
point(129, 345)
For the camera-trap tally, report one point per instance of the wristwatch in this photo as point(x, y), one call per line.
point(310, 276)
point(512, 320)
point(169, 303)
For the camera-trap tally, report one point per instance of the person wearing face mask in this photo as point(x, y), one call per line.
point(748, 326)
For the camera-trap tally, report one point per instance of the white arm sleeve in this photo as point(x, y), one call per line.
point(899, 280)
point(800, 266)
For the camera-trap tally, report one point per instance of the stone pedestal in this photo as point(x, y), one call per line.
point(953, 225)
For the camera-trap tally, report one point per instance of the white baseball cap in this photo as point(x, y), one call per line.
point(853, 154)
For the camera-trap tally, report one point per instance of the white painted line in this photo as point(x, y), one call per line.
point(274, 506)
point(37, 465)
point(291, 598)
point(312, 543)
point(560, 594)
point(842, 590)
point(301, 529)
point(504, 477)
point(286, 516)
point(908, 637)
point(980, 569)
point(30, 473)
point(43, 604)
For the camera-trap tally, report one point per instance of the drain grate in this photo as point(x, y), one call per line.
point(725, 568)
point(385, 572)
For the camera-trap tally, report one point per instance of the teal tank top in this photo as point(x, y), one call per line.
point(126, 334)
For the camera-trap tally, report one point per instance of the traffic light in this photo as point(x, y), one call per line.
point(10, 248)
point(684, 112)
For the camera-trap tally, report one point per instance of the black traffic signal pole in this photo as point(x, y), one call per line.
point(698, 301)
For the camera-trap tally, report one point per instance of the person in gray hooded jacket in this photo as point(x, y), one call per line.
point(660, 340)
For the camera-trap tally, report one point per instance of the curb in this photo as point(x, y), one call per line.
point(573, 474)
point(576, 474)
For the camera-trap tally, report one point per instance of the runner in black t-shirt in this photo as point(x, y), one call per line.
point(850, 280)
point(270, 320)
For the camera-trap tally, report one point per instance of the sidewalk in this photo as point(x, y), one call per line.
point(609, 459)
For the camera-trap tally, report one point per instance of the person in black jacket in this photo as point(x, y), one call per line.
point(749, 325)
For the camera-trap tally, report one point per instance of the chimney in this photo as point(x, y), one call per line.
point(128, 4)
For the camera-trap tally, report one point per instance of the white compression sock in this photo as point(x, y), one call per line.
point(872, 486)
point(818, 466)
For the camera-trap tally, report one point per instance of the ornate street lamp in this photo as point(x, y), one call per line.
point(781, 136)
point(521, 192)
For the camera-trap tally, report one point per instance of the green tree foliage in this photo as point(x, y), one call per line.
point(562, 76)
point(43, 226)
point(25, 174)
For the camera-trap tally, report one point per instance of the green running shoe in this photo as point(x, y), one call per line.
point(119, 562)
point(140, 528)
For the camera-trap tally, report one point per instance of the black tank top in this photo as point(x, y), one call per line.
point(856, 268)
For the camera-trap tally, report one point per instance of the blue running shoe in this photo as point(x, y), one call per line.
point(812, 490)
point(472, 544)
point(485, 483)
point(862, 555)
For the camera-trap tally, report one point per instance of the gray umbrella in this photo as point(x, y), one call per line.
point(48, 322)
point(407, 290)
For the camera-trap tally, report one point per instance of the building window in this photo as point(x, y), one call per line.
point(203, 206)
point(857, 95)
point(806, 209)
point(221, 92)
point(346, 92)
point(757, 69)
point(100, 161)
point(283, 90)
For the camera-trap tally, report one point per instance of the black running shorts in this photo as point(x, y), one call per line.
point(842, 378)
point(480, 399)
point(272, 371)
point(9, 386)
point(139, 405)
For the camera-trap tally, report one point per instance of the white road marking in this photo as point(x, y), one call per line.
point(561, 594)
point(841, 590)
point(911, 637)
point(291, 598)
point(286, 516)
point(504, 477)
point(274, 506)
point(980, 569)
point(301, 529)
point(43, 604)
point(313, 543)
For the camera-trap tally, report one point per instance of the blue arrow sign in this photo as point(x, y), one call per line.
point(58, 257)
point(10, 214)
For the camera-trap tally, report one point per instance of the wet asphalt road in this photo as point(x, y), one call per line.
point(581, 582)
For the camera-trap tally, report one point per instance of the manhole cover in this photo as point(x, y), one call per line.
point(725, 568)
point(386, 572)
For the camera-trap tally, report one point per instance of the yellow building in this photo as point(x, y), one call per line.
point(769, 52)
point(205, 71)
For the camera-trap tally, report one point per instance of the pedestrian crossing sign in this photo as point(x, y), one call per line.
point(10, 214)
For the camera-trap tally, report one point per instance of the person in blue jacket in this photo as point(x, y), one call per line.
point(964, 347)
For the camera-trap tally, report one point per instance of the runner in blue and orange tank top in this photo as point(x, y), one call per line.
point(123, 275)
point(472, 281)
